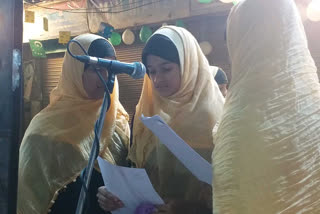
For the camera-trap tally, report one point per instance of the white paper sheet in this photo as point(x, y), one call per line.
point(197, 165)
point(131, 185)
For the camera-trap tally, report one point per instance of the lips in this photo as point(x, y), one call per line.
point(161, 86)
point(99, 86)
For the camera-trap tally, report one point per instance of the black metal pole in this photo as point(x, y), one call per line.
point(11, 100)
point(93, 155)
point(18, 111)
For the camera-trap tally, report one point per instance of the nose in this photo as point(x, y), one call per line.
point(104, 73)
point(157, 77)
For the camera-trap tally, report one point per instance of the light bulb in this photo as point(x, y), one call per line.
point(313, 11)
point(226, 1)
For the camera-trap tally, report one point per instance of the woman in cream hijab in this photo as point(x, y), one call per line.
point(57, 143)
point(267, 156)
point(181, 89)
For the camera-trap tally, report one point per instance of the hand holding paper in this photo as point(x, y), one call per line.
point(132, 186)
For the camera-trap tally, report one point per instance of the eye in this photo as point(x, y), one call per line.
point(152, 72)
point(166, 69)
point(101, 70)
point(97, 69)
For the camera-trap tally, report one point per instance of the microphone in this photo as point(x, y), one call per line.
point(136, 69)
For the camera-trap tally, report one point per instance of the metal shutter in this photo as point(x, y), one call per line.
point(212, 29)
point(129, 89)
point(50, 76)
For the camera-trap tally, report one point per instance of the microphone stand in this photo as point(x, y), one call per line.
point(95, 149)
point(95, 146)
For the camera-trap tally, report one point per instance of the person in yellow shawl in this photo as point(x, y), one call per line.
point(57, 144)
point(181, 89)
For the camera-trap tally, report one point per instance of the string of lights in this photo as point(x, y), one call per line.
point(101, 9)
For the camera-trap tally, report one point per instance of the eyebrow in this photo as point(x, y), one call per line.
point(110, 57)
point(164, 63)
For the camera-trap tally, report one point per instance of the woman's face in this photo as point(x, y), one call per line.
point(165, 75)
point(91, 81)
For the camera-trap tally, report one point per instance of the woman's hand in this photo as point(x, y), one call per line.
point(107, 201)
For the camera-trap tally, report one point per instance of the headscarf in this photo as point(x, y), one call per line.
point(267, 157)
point(161, 46)
point(214, 70)
point(57, 144)
point(191, 112)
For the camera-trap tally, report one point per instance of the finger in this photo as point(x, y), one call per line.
point(103, 190)
point(110, 203)
point(107, 196)
point(101, 196)
point(105, 207)
point(112, 197)
point(120, 203)
point(103, 200)
point(103, 193)
point(108, 207)
point(106, 202)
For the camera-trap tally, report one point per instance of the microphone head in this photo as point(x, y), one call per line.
point(139, 71)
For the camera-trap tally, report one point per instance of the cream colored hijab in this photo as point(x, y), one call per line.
point(214, 70)
point(57, 143)
point(267, 157)
point(191, 112)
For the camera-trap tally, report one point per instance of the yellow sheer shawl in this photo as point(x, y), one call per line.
point(191, 112)
point(57, 143)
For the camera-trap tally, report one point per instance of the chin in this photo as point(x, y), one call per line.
point(99, 97)
point(96, 96)
point(164, 94)
point(99, 93)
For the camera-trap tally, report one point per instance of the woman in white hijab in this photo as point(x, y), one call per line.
point(181, 89)
point(267, 156)
point(57, 144)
